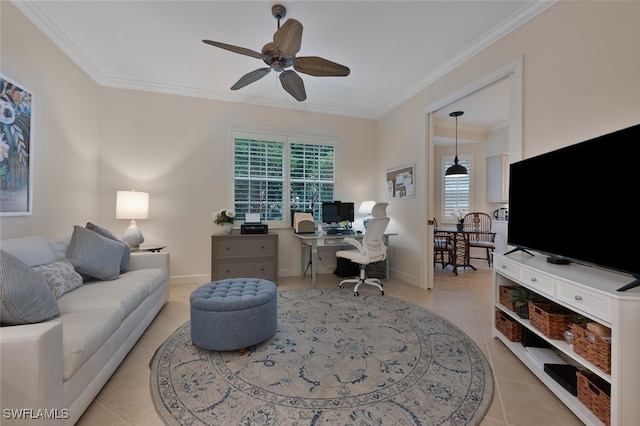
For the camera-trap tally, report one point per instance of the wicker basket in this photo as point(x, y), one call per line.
point(505, 296)
point(594, 393)
point(550, 319)
point(592, 347)
point(507, 326)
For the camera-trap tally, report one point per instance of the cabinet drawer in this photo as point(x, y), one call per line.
point(537, 281)
point(505, 267)
point(595, 305)
point(229, 248)
point(247, 269)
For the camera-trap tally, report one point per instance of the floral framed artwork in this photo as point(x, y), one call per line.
point(400, 182)
point(16, 168)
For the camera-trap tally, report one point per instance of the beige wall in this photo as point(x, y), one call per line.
point(92, 141)
point(65, 131)
point(179, 150)
point(581, 66)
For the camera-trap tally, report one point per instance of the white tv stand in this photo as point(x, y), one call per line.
point(591, 292)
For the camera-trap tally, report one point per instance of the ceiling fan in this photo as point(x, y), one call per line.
point(281, 54)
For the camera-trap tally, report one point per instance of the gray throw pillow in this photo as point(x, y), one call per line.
point(25, 296)
point(126, 256)
point(94, 255)
point(60, 276)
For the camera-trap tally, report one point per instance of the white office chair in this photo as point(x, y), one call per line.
point(372, 249)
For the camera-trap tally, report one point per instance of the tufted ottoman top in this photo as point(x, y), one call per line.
point(233, 294)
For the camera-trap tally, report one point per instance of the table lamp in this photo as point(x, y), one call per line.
point(132, 205)
point(365, 208)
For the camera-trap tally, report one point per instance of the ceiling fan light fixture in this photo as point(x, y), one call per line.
point(457, 170)
point(281, 54)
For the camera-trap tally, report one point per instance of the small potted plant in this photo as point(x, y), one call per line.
point(521, 296)
point(459, 215)
point(224, 219)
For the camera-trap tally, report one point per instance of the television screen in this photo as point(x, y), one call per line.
point(578, 203)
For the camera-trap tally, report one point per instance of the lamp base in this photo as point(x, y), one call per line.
point(133, 236)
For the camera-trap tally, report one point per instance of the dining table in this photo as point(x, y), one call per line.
point(460, 256)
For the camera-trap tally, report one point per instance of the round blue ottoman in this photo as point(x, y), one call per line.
point(233, 314)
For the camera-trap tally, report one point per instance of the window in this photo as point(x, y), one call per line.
point(456, 191)
point(274, 174)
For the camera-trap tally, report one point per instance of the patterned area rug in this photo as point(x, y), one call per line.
point(336, 359)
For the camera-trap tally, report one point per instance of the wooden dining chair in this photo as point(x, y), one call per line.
point(442, 245)
point(478, 224)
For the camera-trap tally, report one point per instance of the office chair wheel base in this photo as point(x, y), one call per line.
point(355, 293)
point(381, 293)
point(341, 286)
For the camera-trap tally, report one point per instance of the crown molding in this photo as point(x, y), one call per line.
point(39, 19)
point(519, 18)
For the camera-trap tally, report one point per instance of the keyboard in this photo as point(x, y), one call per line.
point(331, 231)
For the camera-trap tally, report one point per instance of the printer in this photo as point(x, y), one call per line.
point(253, 225)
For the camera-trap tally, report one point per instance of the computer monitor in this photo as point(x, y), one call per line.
point(337, 211)
point(347, 211)
point(331, 212)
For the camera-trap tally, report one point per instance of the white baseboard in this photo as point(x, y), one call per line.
point(189, 279)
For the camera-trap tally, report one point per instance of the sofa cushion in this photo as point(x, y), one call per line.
point(25, 296)
point(94, 255)
point(83, 333)
point(60, 276)
point(151, 277)
point(59, 245)
point(126, 256)
point(33, 251)
point(123, 295)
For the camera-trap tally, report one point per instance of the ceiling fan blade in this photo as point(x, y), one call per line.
point(250, 78)
point(319, 67)
point(235, 49)
point(293, 84)
point(288, 39)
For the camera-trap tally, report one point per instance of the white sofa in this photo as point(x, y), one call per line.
point(60, 365)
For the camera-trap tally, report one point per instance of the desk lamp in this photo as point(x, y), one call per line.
point(132, 205)
point(365, 208)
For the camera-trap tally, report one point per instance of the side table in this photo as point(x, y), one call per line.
point(154, 248)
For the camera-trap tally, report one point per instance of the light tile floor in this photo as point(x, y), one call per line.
point(520, 399)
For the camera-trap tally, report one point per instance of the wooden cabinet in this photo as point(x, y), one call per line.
point(498, 179)
point(244, 256)
point(590, 292)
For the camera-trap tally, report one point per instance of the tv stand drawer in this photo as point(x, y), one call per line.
point(593, 304)
point(537, 281)
point(506, 267)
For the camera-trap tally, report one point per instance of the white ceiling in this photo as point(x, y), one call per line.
point(393, 48)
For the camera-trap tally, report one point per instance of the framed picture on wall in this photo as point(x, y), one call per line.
point(400, 182)
point(16, 168)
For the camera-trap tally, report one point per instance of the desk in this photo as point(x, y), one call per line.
point(460, 245)
point(314, 241)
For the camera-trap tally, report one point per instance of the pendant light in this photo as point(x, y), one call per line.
point(456, 170)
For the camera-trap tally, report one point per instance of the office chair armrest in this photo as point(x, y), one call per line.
point(357, 244)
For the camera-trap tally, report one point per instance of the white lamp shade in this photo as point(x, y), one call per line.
point(132, 205)
point(366, 206)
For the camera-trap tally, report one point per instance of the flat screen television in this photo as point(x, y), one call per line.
point(577, 204)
